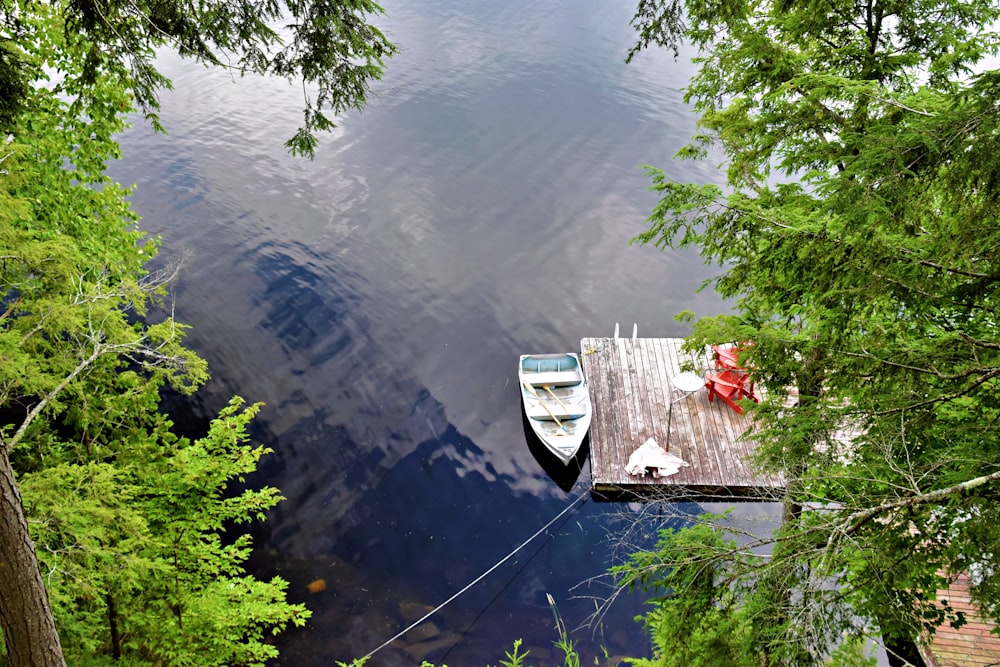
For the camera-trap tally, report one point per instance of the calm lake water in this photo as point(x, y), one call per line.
point(376, 300)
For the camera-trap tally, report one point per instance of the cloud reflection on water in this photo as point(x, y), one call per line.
point(377, 298)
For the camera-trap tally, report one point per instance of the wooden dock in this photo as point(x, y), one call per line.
point(631, 391)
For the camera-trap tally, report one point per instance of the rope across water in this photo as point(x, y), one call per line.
point(477, 579)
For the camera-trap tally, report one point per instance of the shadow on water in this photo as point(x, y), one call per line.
point(445, 547)
point(566, 475)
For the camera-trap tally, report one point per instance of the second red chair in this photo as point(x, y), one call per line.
point(730, 386)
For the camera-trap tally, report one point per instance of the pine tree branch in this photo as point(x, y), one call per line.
point(993, 373)
point(984, 373)
point(957, 272)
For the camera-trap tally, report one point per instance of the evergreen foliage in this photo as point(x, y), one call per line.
point(694, 621)
point(857, 237)
point(135, 529)
point(330, 46)
point(134, 550)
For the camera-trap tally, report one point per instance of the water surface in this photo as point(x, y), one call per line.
point(376, 300)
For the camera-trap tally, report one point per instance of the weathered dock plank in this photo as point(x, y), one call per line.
point(631, 388)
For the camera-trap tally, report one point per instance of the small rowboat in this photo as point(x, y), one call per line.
point(556, 401)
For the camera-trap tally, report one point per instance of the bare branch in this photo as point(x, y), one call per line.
point(45, 400)
point(891, 102)
point(855, 521)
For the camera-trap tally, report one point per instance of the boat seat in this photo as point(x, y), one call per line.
point(541, 414)
point(553, 379)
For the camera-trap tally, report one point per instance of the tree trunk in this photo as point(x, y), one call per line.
point(782, 578)
point(25, 616)
point(116, 637)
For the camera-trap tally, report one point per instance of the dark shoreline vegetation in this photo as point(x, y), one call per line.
point(857, 236)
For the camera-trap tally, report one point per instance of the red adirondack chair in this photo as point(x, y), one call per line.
point(727, 356)
point(729, 386)
point(730, 382)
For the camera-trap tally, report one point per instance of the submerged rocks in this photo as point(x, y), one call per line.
point(421, 633)
point(411, 612)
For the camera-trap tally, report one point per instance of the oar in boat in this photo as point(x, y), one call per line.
point(548, 388)
point(535, 394)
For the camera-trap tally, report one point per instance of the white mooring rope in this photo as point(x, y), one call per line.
point(474, 581)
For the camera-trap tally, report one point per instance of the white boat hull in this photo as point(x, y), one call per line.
point(556, 401)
